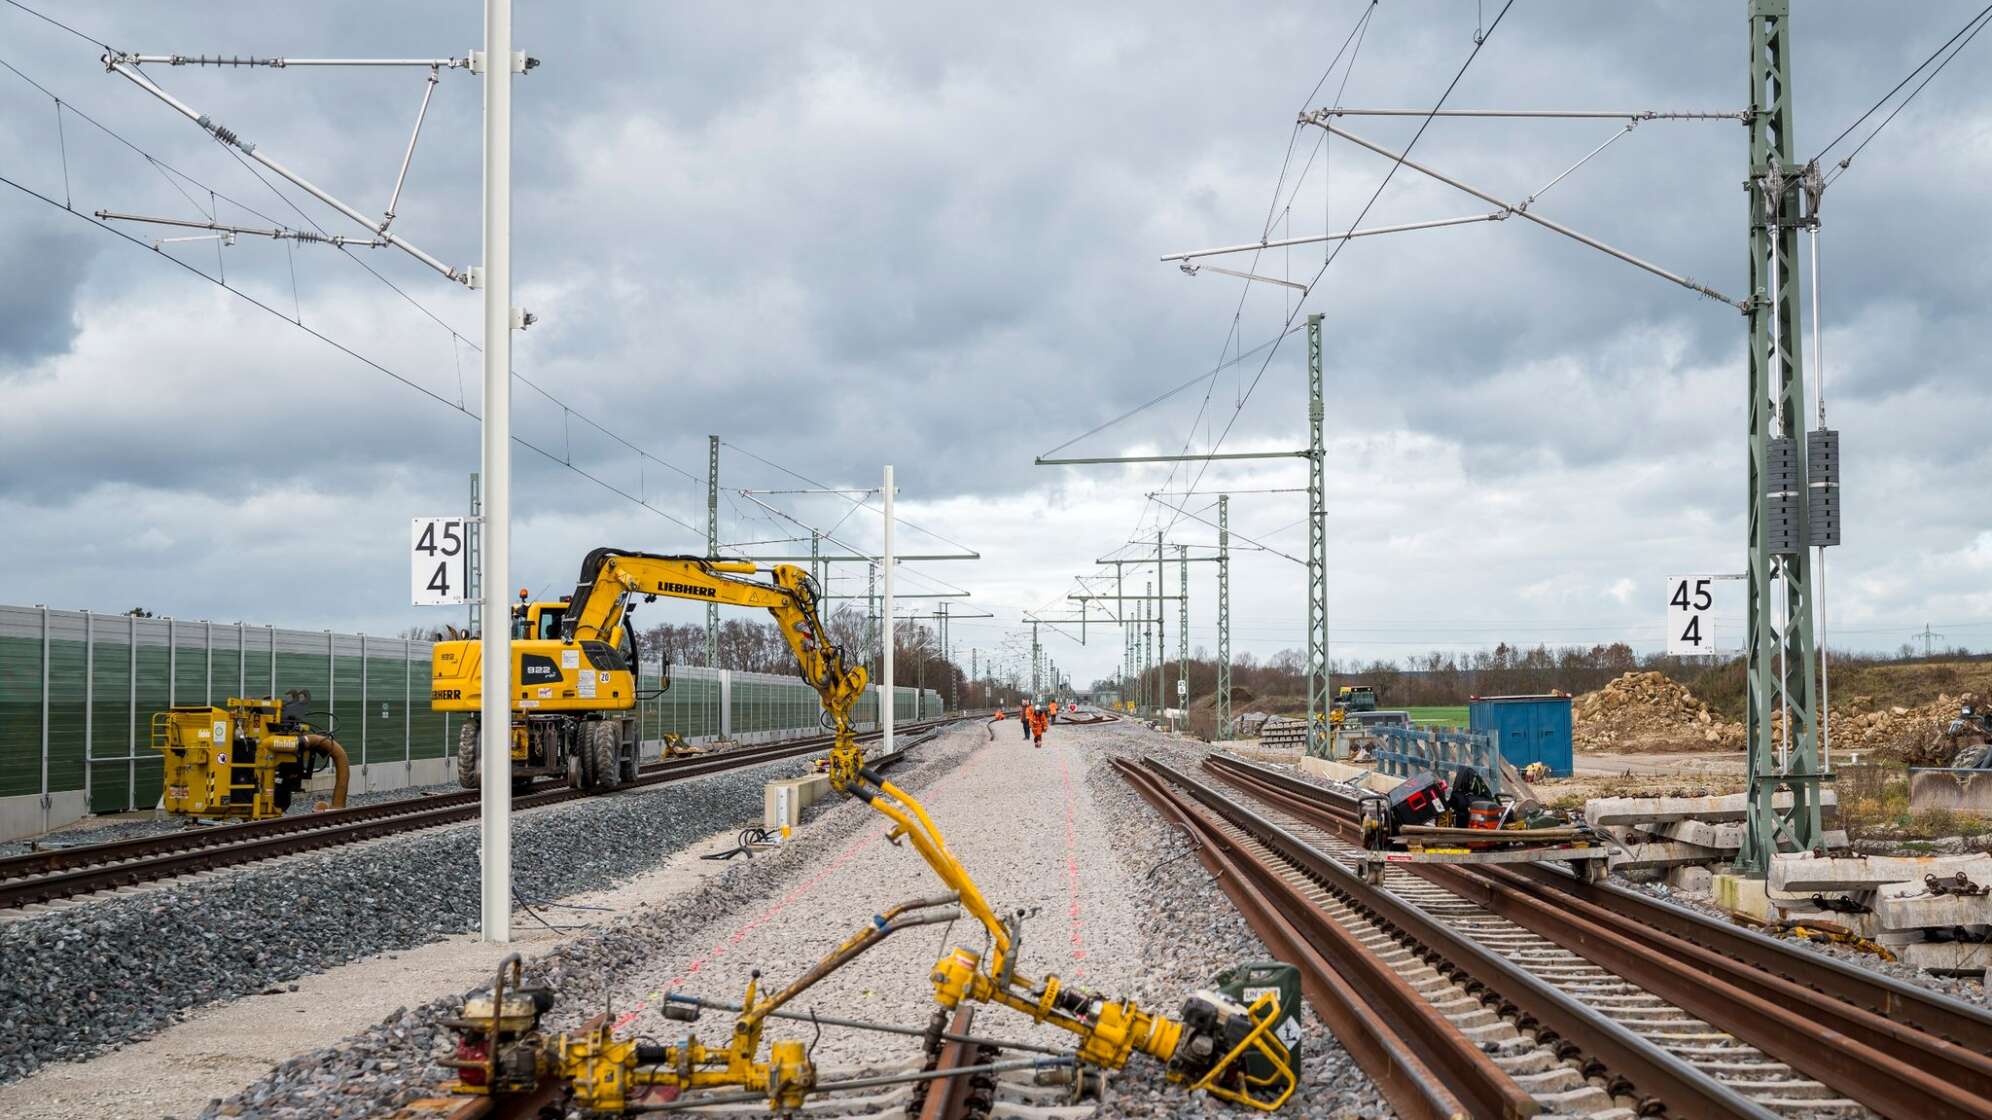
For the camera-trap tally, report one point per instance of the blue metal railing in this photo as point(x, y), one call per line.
point(1404, 751)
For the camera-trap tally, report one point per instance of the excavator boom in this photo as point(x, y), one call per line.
point(610, 576)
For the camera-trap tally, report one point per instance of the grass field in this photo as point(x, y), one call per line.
point(1451, 716)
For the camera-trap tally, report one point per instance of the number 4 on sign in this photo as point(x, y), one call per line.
point(439, 561)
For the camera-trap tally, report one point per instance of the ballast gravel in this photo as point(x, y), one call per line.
point(1053, 831)
point(392, 1063)
point(94, 976)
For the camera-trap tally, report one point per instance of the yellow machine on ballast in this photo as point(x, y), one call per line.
point(246, 761)
point(1231, 1047)
point(574, 662)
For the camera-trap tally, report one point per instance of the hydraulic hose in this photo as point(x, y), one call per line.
point(330, 748)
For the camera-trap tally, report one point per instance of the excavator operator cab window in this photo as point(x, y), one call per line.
point(536, 623)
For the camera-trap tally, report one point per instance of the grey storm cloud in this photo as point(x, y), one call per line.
point(929, 232)
point(38, 291)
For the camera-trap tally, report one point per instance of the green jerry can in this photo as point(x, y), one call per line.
point(1247, 982)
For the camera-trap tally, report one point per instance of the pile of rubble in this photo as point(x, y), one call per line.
point(1912, 735)
point(1641, 712)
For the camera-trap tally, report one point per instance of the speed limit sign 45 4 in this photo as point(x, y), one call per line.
point(1690, 615)
point(439, 561)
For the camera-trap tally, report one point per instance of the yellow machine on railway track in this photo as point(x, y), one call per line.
point(574, 661)
point(245, 761)
point(1229, 1047)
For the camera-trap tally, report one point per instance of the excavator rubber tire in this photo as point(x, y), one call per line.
point(466, 755)
point(604, 745)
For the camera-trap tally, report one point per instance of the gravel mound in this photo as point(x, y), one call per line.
point(1648, 712)
point(92, 977)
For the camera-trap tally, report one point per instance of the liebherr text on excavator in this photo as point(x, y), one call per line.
point(1229, 1047)
point(574, 663)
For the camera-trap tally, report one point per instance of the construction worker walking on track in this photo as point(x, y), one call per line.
point(1038, 719)
point(1024, 717)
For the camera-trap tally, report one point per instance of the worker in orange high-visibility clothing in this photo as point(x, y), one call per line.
point(1039, 718)
point(1054, 709)
point(1024, 717)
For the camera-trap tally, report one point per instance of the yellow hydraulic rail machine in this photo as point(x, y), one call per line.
point(502, 1051)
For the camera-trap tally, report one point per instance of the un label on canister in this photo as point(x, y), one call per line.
point(439, 561)
point(1288, 1032)
point(1690, 616)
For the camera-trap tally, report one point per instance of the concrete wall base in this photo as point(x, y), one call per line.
point(375, 777)
point(21, 817)
point(783, 801)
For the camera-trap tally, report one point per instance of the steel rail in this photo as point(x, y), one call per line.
point(1664, 1082)
point(1418, 1059)
point(1888, 1066)
point(947, 1098)
point(1902, 1002)
point(91, 868)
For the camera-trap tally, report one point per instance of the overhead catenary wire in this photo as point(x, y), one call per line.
point(58, 23)
point(1336, 252)
point(1352, 46)
point(1897, 88)
point(169, 172)
point(1847, 161)
point(337, 345)
point(296, 319)
point(1232, 338)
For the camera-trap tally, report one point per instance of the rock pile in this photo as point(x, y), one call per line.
point(1647, 712)
point(1912, 735)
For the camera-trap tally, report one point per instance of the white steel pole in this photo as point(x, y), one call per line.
point(495, 739)
point(1819, 599)
point(887, 698)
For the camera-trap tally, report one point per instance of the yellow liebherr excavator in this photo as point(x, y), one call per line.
point(575, 689)
point(502, 1051)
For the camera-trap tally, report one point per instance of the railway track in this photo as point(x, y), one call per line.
point(1582, 999)
point(60, 873)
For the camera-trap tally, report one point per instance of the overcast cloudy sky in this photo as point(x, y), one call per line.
point(927, 234)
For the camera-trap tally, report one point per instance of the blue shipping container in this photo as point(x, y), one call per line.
point(1530, 728)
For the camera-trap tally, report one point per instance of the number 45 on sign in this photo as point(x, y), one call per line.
point(1691, 614)
point(439, 561)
